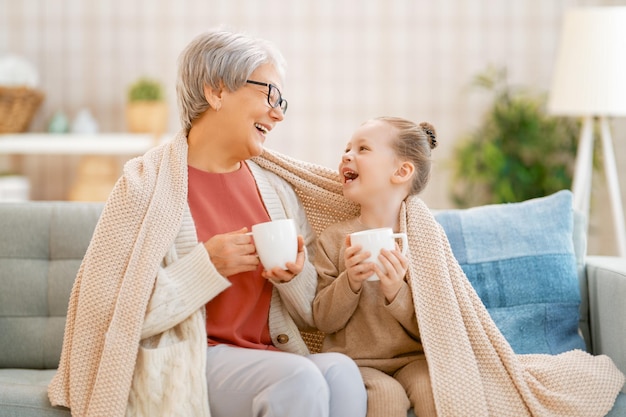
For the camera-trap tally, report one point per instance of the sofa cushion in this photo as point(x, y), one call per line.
point(520, 258)
point(23, 392)
point(41, 249)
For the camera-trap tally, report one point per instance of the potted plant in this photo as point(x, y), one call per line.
point(518, 152)
point(146, 110)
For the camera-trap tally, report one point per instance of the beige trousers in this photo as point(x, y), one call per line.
point(393, 395)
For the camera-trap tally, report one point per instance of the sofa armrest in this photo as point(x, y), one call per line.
point(606, 278)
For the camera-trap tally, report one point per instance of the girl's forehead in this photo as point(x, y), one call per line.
point(373, 129)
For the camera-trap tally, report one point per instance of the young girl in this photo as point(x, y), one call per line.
point(374, 322)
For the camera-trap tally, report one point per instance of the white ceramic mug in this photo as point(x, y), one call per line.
point(374, 240)
point(276, 242)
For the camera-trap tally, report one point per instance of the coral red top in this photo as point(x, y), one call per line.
point(222, 203)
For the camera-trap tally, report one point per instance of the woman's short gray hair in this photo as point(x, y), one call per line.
point(219, 58)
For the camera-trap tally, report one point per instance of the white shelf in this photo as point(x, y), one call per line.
point(76, 144)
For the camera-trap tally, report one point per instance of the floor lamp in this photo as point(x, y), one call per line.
point(589, 81)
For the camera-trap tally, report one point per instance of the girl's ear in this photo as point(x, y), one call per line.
point(403, 173)
point(213, 97)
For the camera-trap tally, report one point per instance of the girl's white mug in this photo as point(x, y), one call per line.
point(276, 242)
point(373, 240)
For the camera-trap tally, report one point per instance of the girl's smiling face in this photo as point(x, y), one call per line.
point(369, 162)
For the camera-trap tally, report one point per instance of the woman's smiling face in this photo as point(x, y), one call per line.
point(247, 115)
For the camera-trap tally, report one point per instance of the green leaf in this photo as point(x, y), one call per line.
point(145, 89)
point(518, 152)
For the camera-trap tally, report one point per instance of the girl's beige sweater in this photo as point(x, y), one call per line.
point(473, 369)
point(364, 325)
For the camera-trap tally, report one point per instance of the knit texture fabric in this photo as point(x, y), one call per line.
point(473, 369)
point(106, 313)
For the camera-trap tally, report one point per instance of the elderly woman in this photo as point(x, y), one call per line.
point(171, 313)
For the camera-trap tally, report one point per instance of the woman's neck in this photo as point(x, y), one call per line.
point(205, 152)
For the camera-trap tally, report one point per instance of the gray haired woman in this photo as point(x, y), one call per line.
point(171, 313)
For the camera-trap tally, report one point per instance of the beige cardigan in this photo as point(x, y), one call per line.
point(145, 287)
point(473, 369)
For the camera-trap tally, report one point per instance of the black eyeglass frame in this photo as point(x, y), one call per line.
point(281, 102)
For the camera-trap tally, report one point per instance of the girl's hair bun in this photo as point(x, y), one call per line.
point(431, 133)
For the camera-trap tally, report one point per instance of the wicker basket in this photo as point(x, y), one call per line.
point(17, 108)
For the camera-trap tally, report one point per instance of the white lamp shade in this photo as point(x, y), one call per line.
point(590, 74)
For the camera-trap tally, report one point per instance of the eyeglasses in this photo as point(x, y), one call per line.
point(274, 98)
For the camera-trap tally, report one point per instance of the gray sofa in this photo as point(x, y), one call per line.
point(41, 246)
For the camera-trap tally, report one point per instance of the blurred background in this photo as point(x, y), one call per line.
point(348, 61)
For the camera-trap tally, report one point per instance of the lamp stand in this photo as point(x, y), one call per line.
point(581, 186)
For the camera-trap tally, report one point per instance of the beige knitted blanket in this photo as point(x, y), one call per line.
point(474, 372)
point(473, 369)
point(114, 282)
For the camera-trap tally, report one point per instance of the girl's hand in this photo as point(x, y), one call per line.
point(232, 253)
point(396, 265)
point(358, 270)
point(293, 268)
